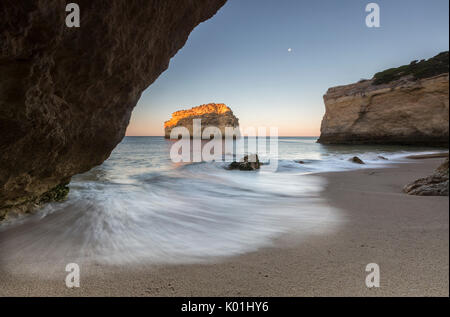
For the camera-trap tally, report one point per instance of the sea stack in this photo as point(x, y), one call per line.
point(434, 185)
point(407, 105)
point(211, 115)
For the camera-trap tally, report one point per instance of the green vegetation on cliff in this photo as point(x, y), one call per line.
point(58, 193)
point(423, 69)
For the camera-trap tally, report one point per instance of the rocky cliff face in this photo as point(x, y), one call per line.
point(66, 94)
point(395, 107)
point(211, 115)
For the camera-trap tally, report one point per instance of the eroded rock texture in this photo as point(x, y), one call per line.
point(211, 115)
point(433, 185)
point(410, 110)
point(66, 94)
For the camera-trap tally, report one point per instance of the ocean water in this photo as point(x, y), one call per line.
point(140, 207)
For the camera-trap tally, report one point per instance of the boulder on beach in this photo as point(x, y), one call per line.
point(433, 185)
point(357, 160)
point(247, 163)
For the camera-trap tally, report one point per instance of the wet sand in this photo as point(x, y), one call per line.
point(428, 156)
point(407, 236)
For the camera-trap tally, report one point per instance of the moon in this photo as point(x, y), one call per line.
point(289, 49)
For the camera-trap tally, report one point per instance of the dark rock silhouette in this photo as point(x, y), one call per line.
point(357, 160)
point(66, 94)
point(248, 163)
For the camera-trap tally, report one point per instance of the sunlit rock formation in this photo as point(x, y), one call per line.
point(211, 115)
point(66, 94)
point(406, 105)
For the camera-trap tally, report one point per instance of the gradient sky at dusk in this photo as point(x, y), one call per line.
point(240, 57)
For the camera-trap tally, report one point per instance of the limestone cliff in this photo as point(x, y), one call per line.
point(211, 115)
point(407, 105)
point(66, 94)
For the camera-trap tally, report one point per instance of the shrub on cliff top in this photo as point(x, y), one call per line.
point(423, 69)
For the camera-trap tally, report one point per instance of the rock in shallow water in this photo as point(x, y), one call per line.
point(66, 94)
point(357, 160)
point(434, 185)
point(248, 163)
point(211, 115)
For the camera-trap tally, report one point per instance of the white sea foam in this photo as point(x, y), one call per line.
point(139, 207)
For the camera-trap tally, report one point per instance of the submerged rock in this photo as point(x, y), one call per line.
point(357, 160)
point(382, 158)
point(433, 185)
point(248, 163)
point(66, 94)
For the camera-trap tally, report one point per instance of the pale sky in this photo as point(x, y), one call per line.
point(271, 61)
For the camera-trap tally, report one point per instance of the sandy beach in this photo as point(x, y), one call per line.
point(407, 236)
